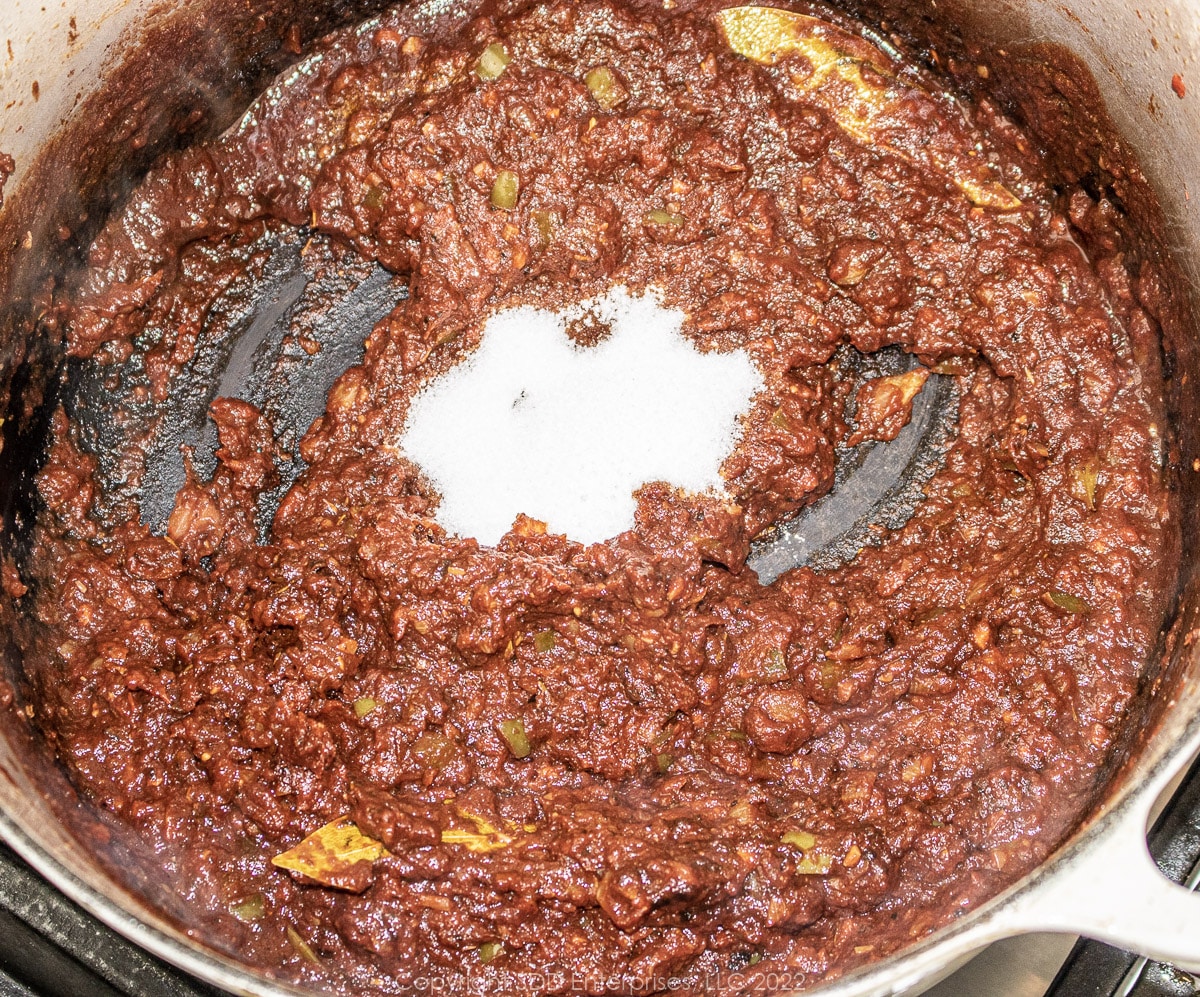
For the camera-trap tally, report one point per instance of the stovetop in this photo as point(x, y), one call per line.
point(49, 947)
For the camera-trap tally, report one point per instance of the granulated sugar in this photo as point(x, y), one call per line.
point(533, 423)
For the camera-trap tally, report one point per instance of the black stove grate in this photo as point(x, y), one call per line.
point(1097, 970)
point(49, 947)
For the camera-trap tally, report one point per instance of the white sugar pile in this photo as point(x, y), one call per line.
point(533, 423)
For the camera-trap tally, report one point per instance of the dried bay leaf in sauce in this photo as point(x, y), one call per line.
point(486, 837)
point(337, 855)
point(853, 82)
point(303, 949)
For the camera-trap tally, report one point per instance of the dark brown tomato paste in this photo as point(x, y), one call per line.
point(610, 767)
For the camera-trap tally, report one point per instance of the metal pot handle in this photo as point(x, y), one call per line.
point(1108, 887)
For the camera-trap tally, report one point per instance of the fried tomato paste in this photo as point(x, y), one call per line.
point(380, 757)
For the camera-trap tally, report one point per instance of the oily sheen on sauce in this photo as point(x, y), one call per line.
point(372, 753)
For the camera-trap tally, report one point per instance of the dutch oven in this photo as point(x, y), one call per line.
point(93, 92)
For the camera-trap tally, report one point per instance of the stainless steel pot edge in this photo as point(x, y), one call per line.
point(145, 930)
